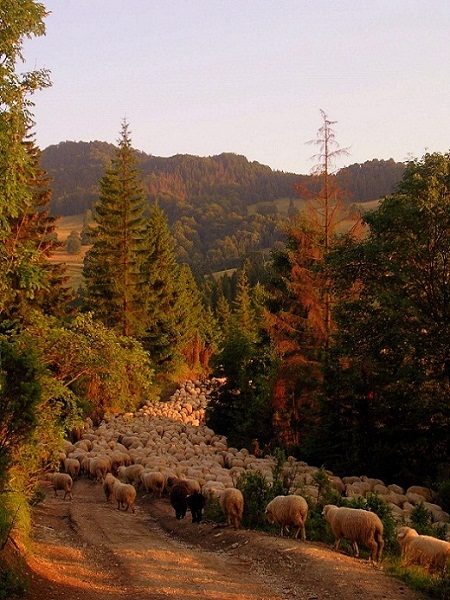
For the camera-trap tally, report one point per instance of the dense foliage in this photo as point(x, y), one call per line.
point(387, 391)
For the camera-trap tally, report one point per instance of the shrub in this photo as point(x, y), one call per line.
point(213, 511)
point(12, 585)
point(257, 494)
point(283, 475)
point(422, 520)
point(326, 493)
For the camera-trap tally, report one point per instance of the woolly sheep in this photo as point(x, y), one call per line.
point(178, 498)
point(153, 481)
point(286, 511)
point(125, 495)
point(196, 503)
point(130, 474)
point(424, 550)
point(108, 485)
point(119, 459)
point(357, 525)
point(61, 481)
point(232, 504)
point(72, 467)
point(98, 467)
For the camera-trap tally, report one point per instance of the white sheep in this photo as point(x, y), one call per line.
point(286, 511)
point(98, 467)
point(72, 467)
point(232, 504)
point(424, 550)
point(108, 485)
point(61, 481)
point(153, 481)
point(125, 495)
point(130, 474)
point(356, 525)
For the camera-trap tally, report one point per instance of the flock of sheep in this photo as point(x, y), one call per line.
point(165, 448)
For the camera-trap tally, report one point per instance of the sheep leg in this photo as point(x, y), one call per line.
point(355, 549)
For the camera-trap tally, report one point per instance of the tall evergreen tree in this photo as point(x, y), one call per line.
point(163, 329)
point(33, 235)
point(241, 408)
point(112, 270)
point(197, 325)
point(300, 308)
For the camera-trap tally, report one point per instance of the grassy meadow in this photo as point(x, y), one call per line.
point(73, 262)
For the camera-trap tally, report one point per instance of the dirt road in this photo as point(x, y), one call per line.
point(88, 550)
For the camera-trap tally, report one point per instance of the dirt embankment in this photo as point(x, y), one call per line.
point(88, 550)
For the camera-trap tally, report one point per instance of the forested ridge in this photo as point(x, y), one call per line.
point(221, 209)
point(187, 180)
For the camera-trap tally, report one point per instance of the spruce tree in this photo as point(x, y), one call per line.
point(30, 243)
point(112, 270)
point(197, 324)
point(163, 333)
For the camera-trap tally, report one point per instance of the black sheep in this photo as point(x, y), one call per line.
point(196, 503)
point(178, 499)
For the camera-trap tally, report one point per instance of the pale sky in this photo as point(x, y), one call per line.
point(204, 77)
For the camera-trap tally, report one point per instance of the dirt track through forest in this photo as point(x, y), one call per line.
point(88, 550)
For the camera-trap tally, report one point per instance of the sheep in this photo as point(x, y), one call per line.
point(357, 525)
point(125, 494)
point(130, 474)
point(108, 485)
point(196, 503)
point(98, 467)
point(61, 481)
point(232, 504)
point(286, 511)
point(178, 498)
point(119, 459)
point(72, 467)
point(153, 481)
point(424, 550)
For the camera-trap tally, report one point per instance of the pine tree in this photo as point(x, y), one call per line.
point(300, 309)
point(163, 333)
point(198, 326)
point(33, 282)
point(112, 271)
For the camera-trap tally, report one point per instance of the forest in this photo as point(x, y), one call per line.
point(334, 347)
point(220, 209)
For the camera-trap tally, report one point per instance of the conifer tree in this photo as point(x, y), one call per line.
point(163, 327)
point(112, 271)
point(32, 235)
point(241, 408)
point(300, 309)
point(197, 325)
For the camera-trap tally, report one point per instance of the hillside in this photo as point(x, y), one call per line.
point(220, 208)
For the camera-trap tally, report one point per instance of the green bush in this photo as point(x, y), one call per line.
point(419, 579)
point(12, 585)
point(316, 527)
point(213, 511)
point(422, 519)
point(326, 493)
point(257, 493)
